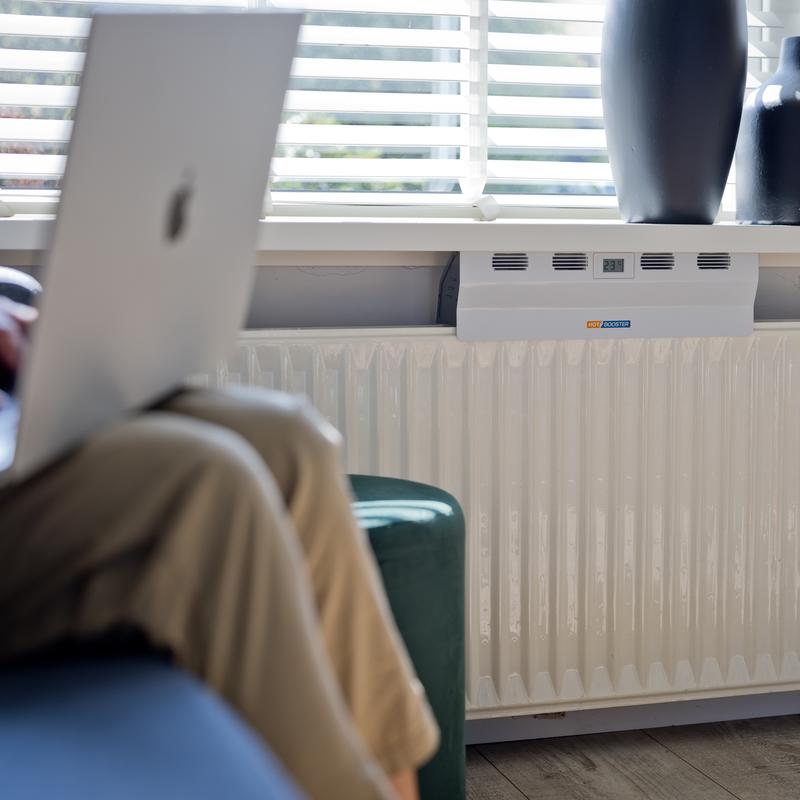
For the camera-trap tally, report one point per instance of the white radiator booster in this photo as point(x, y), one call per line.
point(525, 296)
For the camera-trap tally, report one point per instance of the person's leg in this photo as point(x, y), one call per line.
point(301, 451)
point(175, 527)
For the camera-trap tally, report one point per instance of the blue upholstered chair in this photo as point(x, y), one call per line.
point(126, 729)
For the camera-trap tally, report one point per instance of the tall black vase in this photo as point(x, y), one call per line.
point(768, 161)
point(673, 77)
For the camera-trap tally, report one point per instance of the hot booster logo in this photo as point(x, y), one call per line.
point(609, 323)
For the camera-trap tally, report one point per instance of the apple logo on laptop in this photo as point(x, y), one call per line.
point(178, 209)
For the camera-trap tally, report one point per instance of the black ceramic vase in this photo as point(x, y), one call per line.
point(768, 163)
point(673, 78)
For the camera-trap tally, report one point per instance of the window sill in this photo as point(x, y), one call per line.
point(428, 235)
point(410, 242)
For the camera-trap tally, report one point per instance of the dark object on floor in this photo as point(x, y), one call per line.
point(126, 729)
point(20, 288)
point(768, 161)
point(673, 77)
point(417, 534)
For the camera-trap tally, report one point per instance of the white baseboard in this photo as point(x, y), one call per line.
point(608, 720)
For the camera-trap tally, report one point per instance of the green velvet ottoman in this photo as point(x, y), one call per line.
point(417, 534)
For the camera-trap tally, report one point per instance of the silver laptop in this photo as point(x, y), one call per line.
point(149, 270)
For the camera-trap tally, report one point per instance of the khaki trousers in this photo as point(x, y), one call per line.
point(219, 525)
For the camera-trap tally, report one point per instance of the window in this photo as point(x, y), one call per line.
point(390, 103)
point(41, 58)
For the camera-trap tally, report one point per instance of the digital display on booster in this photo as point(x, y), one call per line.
point(613, 265)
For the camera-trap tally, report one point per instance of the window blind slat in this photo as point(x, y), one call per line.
point(40, 61)
point(565, 76)
point(24, 165)
point(567, 201)
point(27, 95)
point(206, 5)
point(383, 37)
point(44, 130)
point(547, 138)
point(375, 70)
point(370, 135)
point(545, 43)
point(34, 130)
point(555, 12)
point(544, 75)
point(454, 8)
point(560, 171)
point(506, 106)
point(369, 198)
point(50, 27)
point(375, 102)
point(60, 61)
point(763, 49)
point(589, 45)
point(758, 18)
point(372, 168)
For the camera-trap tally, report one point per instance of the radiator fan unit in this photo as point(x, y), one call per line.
point(496, 296)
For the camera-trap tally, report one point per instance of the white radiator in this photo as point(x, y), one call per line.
point(633, 507)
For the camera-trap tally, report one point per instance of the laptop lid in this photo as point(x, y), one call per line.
point(151, 262)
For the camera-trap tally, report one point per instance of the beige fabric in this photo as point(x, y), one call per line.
point(185, 522)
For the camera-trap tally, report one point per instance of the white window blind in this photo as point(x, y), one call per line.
point(392, 102)
point(42, 44)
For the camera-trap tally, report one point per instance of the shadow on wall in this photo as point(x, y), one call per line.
point(320, 297)
point(778, 296)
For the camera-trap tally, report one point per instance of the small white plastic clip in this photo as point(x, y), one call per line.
point(488, 207)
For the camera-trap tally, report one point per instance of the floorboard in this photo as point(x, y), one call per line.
point(484, 782)
point(617, 766)
point(755, 759)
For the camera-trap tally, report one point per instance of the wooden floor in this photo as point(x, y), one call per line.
point(752, 760)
